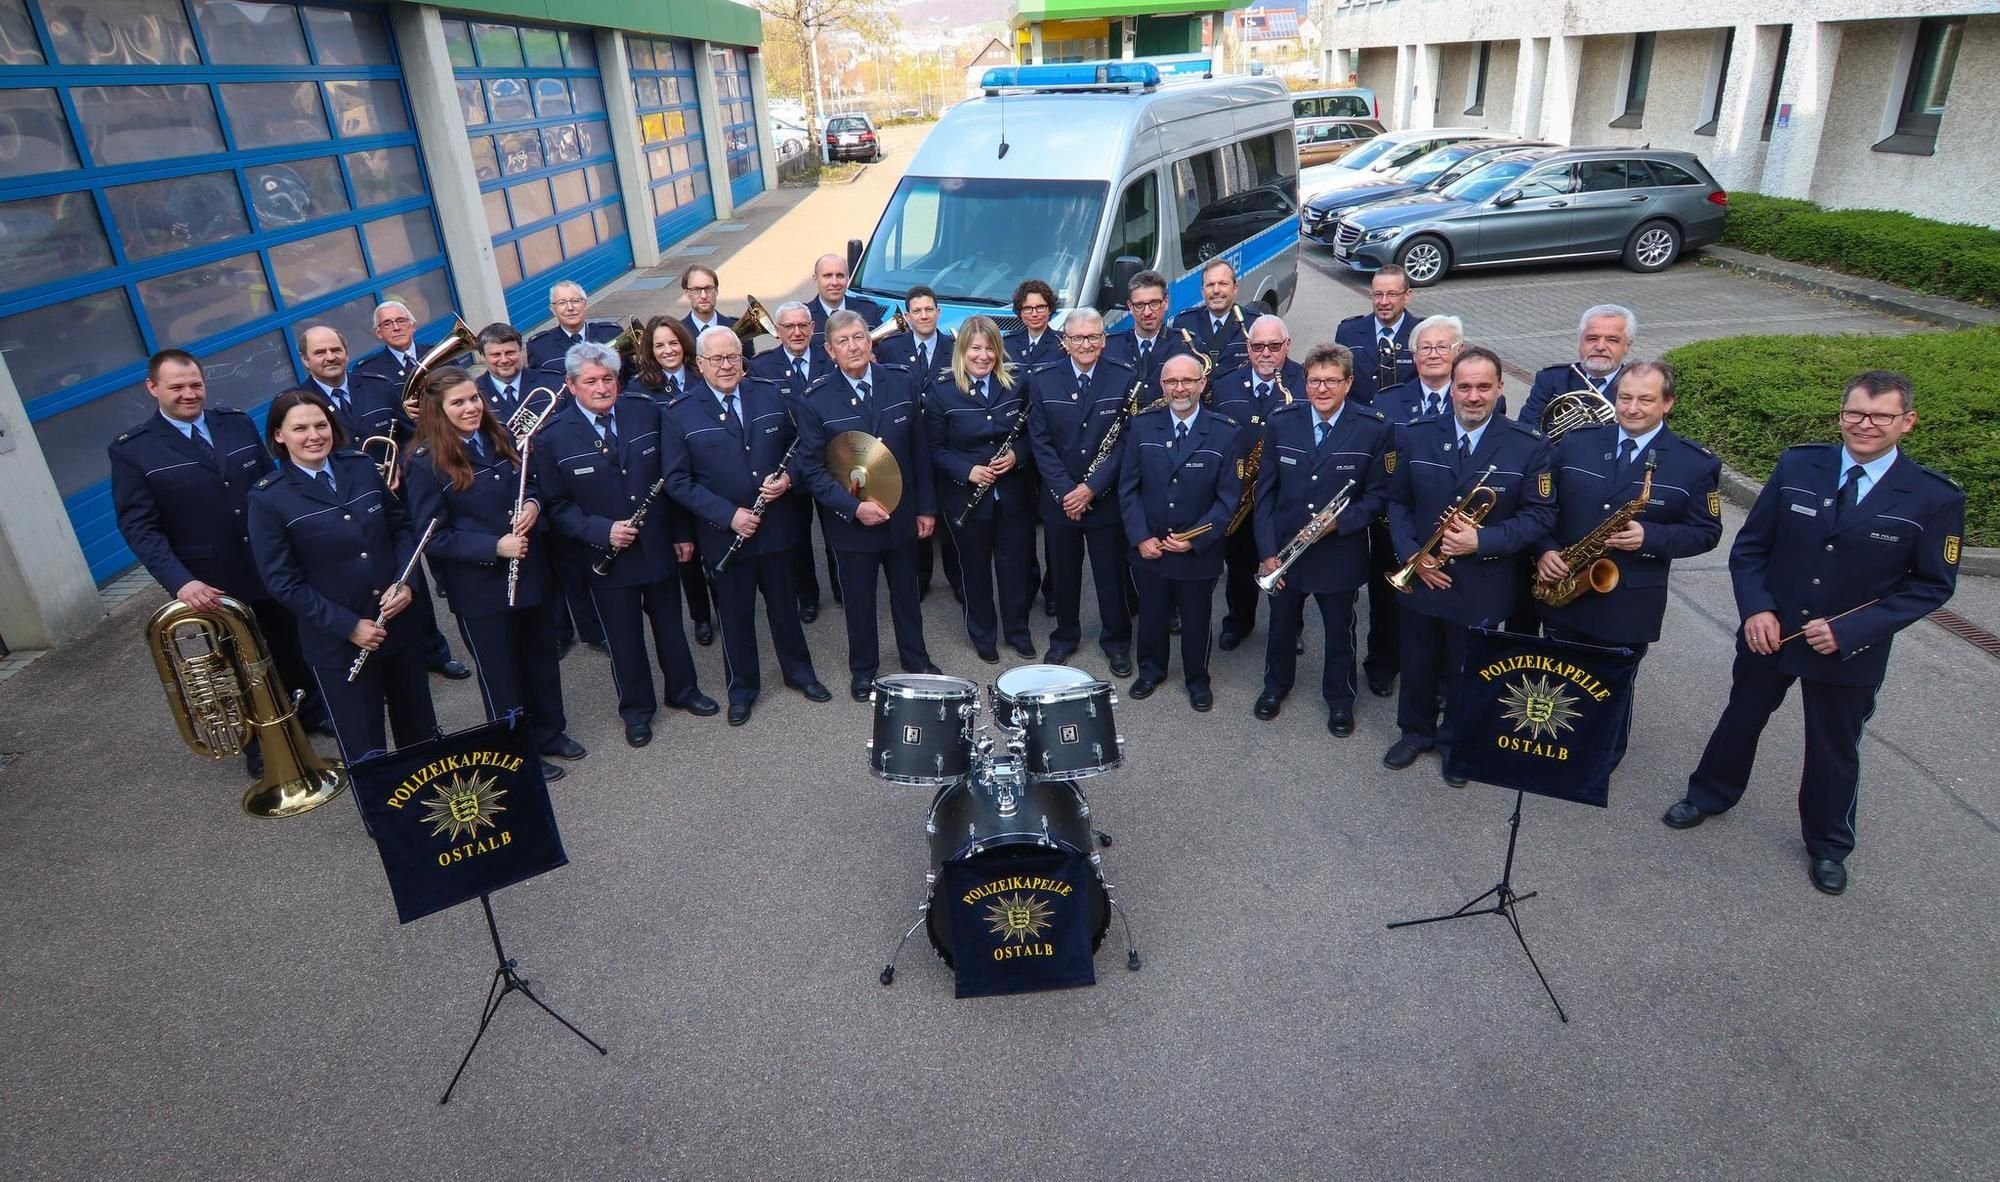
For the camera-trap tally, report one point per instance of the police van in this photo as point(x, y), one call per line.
point(1084, 174)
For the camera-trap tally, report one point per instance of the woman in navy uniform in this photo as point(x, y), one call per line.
point(465, 472)
point(1035, 344)
point(973, 405)
point(330, 541)
point(666, 370)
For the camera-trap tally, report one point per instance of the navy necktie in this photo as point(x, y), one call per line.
point(979, 389)
point(862, 388)
point(608, 427)
point(478, 445)
point(507, 395)
point(799, 368)
point(735, 422)
point(1325, 429)
point(202, 441)
point(1263, 391)
point(1180, 430)
point(340, 401)
point(325, 477)
point(1145, 351)
point(1464, 452)
point(1628, 451)
point(1850, 492)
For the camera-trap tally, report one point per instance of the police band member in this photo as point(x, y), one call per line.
point(1220, 327)
point(1034, 344)
point(1846, 546)
point(830, 277)
point(1598, 471)
point(699, 287)
point(927, 351)
point(466, 473)
point(1177, 475)
point(1381, 339)
point(663, 370)
point(795, 365)
point(377, 380)
point(880, 400)
point(974, 405)
point(502, 353)
point(724, 443)
point(1249, 396)
point(1072, 407)
point(180, 482)
point(1312, 449)
point(1603, 337)
point(330, 541)
point(360, 407)
point(595, 462)
point(1145, 342)
point(1439, 461)
point(571, 308)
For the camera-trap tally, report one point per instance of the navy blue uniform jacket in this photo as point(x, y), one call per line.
point(901, 349)
point(586, 488)
point(892, 415)
point(376, 384)
point(1235, 394)
point(1066, 426)
point(871, 312)
point(1123, 347)
point(184, 515)
point(1428, 482)
point(471, 522)
point(1297, 478)
point(1899, 544)
point(1047, 349)
point(1229, 348)
point(1167, 487)
point(1561, 379)
point(721, 321)
point(1404, 403)
point(964, 431)
point(547, 348)
point(329, 556)
point(712, 470)
point(1361, 334)
point(776, 366)
point(1682, 518)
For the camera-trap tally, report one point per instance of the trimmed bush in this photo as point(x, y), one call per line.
point(1749, 398)
point(1939, 258)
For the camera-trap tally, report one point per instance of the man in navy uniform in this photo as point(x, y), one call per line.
point(377, 380)
point(830, 277)
point(596, 462)
point(794, 366)
point(358, 406)
point(926, 350)
point(882, 401)
point(503, 385)
point(1603, 337)
point(699, 287)
point(1035, 344)
point(1145, 342)
point(180, 482)
point(1313, 449)
point(1248, 396)
point(1071, 408)
point(1477, 573)
point(1380, 339)
point(1177, 475)
point(548, 348)
point(725, 442)
point(1846, 546)
point(1220, 326)
point(1599, 470)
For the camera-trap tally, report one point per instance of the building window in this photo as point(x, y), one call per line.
point(1638, 72)
point(739, 122)
point(1926, 87)
point(1718, 81)
point(1777, 83)
point(670, 135)
point(1475, 90)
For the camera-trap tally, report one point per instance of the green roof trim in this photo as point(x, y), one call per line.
point(721, 21)
point(1028, 11)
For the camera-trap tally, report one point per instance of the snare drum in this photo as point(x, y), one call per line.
point(923, 729)
point(1064, 716)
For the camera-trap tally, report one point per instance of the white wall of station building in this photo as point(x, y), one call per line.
point(1559, 70)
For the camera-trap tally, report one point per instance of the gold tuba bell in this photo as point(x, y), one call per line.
point(460, 340)
point(756, 321)
point(223, 692)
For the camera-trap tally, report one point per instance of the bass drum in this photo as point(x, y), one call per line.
point(967, 825)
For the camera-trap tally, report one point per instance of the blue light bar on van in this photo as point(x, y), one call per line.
point(1072, 76)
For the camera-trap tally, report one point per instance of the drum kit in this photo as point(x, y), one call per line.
point(1000, 797)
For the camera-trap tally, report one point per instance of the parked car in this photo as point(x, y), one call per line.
point(852, 137)
point(1321, 140)
point(1347, 102)
point(1393, 149)
point(1430, 172)
point(1545, 204)
point(788, 138)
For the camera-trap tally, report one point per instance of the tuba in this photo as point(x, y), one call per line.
point(223, 692)
point(1578, 408)
point(756, 321)
point(460, 340)
point(1473, 507)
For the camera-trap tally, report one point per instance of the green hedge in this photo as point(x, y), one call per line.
point(1750, 398)
point(1960, 262)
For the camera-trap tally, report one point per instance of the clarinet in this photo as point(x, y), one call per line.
point(756, 509)
point(402, 580)
point(1006, 445)
point(602, 566)
point(1117, 428)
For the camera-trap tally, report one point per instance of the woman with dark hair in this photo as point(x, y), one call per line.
point(466, 472)
point(330, 541)
point(666, 371)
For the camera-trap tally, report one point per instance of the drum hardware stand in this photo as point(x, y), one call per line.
point(1504, 902)
point(505, 981)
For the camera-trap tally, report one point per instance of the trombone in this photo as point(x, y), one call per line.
point(1471, 508)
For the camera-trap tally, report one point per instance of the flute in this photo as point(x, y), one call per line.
point(402, 580)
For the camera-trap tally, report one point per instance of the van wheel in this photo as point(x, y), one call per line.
point(1653, 247)
point(1424, 260)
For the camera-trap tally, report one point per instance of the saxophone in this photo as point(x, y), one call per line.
point(1589, 569)
point(1247, 469)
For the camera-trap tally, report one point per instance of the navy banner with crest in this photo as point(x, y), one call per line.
point(1541, 715)
point(458, 817)
point(1019, 923)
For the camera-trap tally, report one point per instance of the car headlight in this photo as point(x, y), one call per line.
point(1382, 235)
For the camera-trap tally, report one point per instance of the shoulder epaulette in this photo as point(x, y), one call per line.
point(1357, 319)
point(1372, 413)
point(127, 435)
point(223, 410)
point(1224, 418)
point(898, 366)
point(1115, 362)
point(1929, 471)
point(265, 481)
point(1287, 407)
point(420, 449)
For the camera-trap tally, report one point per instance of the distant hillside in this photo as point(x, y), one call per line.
point(953, 15)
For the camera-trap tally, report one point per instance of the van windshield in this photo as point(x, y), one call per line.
point(973, 241)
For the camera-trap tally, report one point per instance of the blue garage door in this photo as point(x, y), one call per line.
point(670, 129)
point(534, 109)
point(739, 123)
point(211, 175)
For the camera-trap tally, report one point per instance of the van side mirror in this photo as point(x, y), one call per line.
point(1123, 269)
point(853, 254)
point(1507, 197)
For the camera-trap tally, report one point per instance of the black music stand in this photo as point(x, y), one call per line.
point(505, 981)
point(1504, 900)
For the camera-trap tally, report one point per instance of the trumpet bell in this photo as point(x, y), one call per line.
point(756, 321)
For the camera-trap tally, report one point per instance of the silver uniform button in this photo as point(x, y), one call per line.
point(364, 554)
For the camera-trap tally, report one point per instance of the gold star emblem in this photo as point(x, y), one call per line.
point(1540, 707)
point(1018, 917)
point(463, 805)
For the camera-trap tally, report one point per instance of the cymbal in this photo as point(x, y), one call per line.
point(866, 467)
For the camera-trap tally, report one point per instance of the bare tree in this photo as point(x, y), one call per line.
point(805, 20)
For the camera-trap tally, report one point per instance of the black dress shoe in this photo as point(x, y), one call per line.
point(1267, 707)
point(815, 692)
point(1340, 723)
point(1056, 656)
point(989, 655)
point(1829, 876)
point(453, 669)
point(1026, 648)
point(808, 612)
point(1201, 698)
point(860, 692)
point(1683, 815)
point(738, 715)
point(551, 773)
point(564, 645)
point(1400, 755)
point(1382, 689)
point(1454, 781)
point(564, 747)
point(701, 705)
point(638, 734)
point(1142, 689)
point(1228, 641)
point(704, 633)
point(1121, 665)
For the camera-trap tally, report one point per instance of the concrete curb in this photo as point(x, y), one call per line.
point(1742, 491)
point(1883, 297)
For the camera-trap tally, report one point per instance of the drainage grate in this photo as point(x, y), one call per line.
point(1967, 631)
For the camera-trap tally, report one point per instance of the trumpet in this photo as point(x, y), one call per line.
point(895, 323)
point(392, 473)
point(1578, 408)
point(1472, 508)
point(528, 418)
point(1315, 528)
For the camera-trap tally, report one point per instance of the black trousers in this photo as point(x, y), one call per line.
point(927, 561)
point(860, 571)
point(1433, 655)
point(694, 589)
point(515, 656)
point(626, 612)
point(396, 681)
point(1385, 639)
point(1558, 632)
point(281, 636)
point(1159, 599)
point(994, 553)
point(736, 591)
point(437, 650)
point(1829, 784)
point(1239, 582)
point(1112, 576)
point(574, 615)
point(1281, 658)
point(805, 575)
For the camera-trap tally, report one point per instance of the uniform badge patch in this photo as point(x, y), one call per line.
point(1545, 484)
point(1715, 502)
point(1951, 549)
point(1389, 462)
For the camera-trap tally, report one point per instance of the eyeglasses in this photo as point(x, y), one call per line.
point(568, 302)
point(1146, 305)
point(1881, 418)
point(700, 289)
point(723, 358)
point(1084, 338)
point(798, 326)
point(395, 322)
point(1268, 346)
point(1390, 295)
point(1327, 383)
point(1026, 308)
point(1180, 383)
point(1436, 349)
